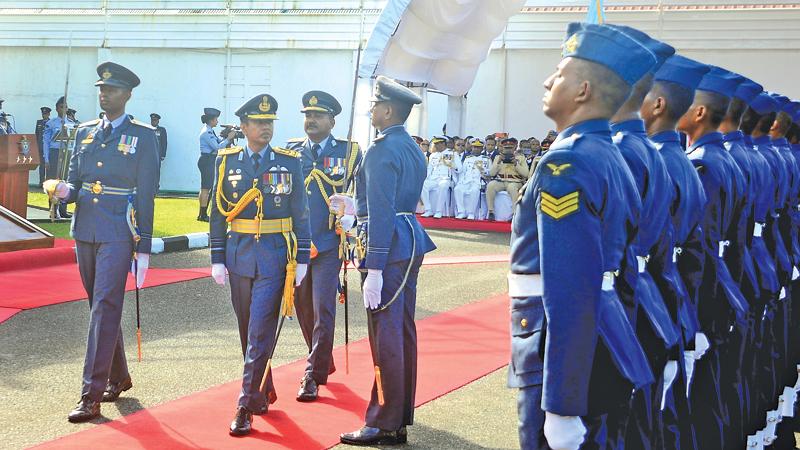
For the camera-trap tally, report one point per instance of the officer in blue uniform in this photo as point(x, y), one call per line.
point(40, 124)
point(575, 356)
point(327, 163)
point(210, 144)
point(113, 175)
point(265, 250)
point(389, 182)
point(722, 308)
point(677, 262)
point(653, 323)
point(51, 147)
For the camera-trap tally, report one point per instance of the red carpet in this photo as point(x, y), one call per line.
point(201, 420)
point(449, 223)
point(62, 253)
point(469, 259)
point(24, 289)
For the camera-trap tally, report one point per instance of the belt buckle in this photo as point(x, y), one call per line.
point(97, 188)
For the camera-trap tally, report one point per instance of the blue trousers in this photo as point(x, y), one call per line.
point(531, 419)
point(395, 343)
point(266, 293)
point(315, 300)
point(104, 269)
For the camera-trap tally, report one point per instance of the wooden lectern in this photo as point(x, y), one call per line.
point(18, 155)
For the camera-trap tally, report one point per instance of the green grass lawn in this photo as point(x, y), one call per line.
point(173, 216)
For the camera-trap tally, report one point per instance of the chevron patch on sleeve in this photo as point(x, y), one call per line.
point(559, 207)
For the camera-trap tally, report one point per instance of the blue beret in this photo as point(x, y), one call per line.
point(388, 90)
point(748, 90)
point(683, 71)
point(320, 101)
point(260, 107)
point(211, 112)
point(719, 81)
point(781, 99)
point(607, 46)
point(764, 103)
point(791, 108)
point(659, 49)
point(115, 75)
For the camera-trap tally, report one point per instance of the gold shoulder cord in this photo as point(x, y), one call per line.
point(252, 194)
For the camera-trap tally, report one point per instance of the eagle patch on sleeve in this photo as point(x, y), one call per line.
point(559, 207)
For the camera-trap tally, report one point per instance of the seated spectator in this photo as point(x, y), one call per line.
point(491, 147)
point(442, 166)
point(509, 173)
point(471, 179)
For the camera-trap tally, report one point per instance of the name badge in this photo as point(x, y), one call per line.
point(127, 144)
point(89, 139)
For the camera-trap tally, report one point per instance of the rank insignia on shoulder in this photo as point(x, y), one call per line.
point(558, 168)
point(559, 207)
point(229, 151)
point(287, 152)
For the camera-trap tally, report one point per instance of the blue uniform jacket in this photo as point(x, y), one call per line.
point(652, 182)
point(719, 175)
point(209, 141)
point(788, 232)
point(51, 129)
point(680, 256)
point(332, 163)
point(781, 174)
point(125, 159)
point(280, 179)
point(571, 226)
point(394, 171)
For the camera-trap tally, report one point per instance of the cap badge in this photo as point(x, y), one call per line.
point(313, 100)
point(264, 106)
point(571, 45)
point(106, 74)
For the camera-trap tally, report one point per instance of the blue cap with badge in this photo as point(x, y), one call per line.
point(748, 90)
point(763, 103)
point(609, 47)
point(683, 71)
point(791, 108)
point(781, 99)
point(660, 50)
point(260, 107)
point(211, 112)
point(388, 90)
point(115, 75)
point(719, 81)
point(320, 101)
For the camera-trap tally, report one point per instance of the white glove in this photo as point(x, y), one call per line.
point(347, 221)
point(339, 202)
point(300, 273)
point(670, 372)
point(688, 359)
point(563, 432)
point(372, 288)
point(701, 345)
point(143, 261)
point(218, 272)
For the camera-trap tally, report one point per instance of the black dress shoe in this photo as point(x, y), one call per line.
point(402, 435)
point(308, 389)
point(371, 436)
point(242, 422)
point(85, 411)
point(113, 390)
point(202, 218)
point(491, 217)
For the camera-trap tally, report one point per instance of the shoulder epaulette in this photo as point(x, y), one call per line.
point(90, 123)
point(379, 138)
point(298, 139)
point(229, 151)
point(286, 151)
point(142, 124)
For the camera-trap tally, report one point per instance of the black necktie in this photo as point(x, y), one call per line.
point(107, 130)
point(315, 151)
point(256, 159)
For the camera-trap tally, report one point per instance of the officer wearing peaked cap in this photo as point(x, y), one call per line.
point(575, 370)
point(327, 162)
point(443, 165)
point(210, 144)
point(113, 177)
point(40, 125)
point(260, 235)
point(388, 186)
